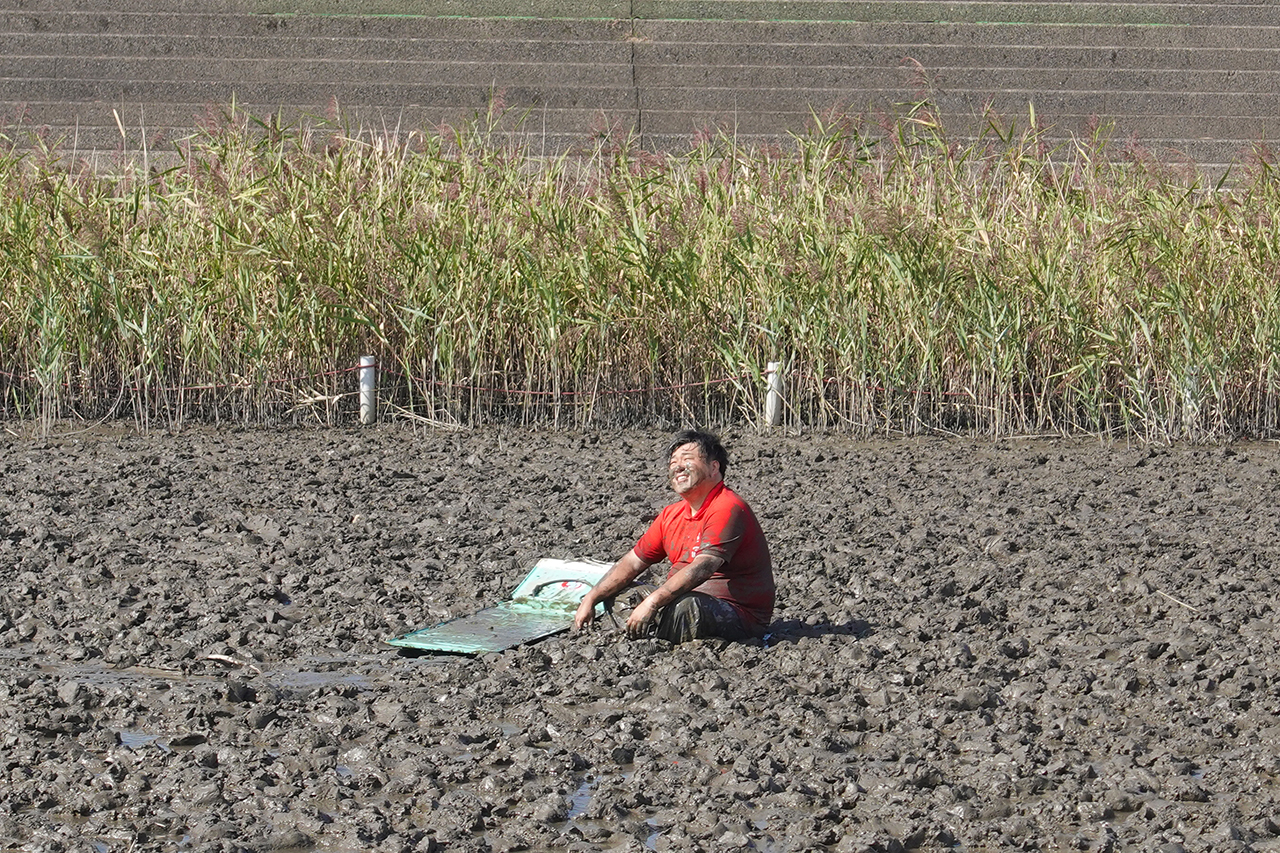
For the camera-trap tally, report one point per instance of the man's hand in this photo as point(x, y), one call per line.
point(586, 613)
point(641, 618)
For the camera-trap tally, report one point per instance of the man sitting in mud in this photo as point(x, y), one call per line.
point(721, 580)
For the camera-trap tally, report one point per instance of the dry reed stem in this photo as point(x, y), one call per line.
point(988, 287)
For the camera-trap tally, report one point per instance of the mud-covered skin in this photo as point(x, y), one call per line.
point(978, 646)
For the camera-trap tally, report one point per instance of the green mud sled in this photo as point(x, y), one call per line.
point(543, 604)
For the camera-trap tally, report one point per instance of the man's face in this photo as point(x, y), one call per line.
point(690, 472)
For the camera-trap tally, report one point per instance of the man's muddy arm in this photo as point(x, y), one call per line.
point(614, 581)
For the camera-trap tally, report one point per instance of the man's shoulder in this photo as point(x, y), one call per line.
point(670, 508)
point(670, 511)
point(727, 500)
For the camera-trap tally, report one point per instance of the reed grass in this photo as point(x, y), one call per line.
point(908, 281)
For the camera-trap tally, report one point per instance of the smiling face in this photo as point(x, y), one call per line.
point(690, 474)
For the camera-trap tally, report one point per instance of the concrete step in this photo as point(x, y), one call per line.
point(163, 130)
point(791, 41)
point(871, 72)
point(526, 9)
point(211, 7)
point(305, 26)
point(201, 52)
point(143, 91)
point(1150, 12)
point(531, 72)
point(1129, 14)
point(1219, 142)
point(1194, 75)
point(977, 36)
point(672, 109)
point(897, 77)
point(936, 59)
point(729, 101)
point(1058, 15)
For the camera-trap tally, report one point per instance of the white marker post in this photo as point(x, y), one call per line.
point(368, 389)
point(773, 402)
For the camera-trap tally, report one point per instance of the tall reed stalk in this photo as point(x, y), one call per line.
point(908, 281)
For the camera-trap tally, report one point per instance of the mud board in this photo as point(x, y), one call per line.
point(541, 605)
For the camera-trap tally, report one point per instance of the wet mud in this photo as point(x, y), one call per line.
point(1017, 645)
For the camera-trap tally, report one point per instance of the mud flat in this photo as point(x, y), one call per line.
point(1019, 645)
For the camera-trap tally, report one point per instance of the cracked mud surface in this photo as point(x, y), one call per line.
point(1036, 645)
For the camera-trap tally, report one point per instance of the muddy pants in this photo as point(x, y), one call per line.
point(697, 616)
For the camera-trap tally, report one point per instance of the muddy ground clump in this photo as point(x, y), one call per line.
point(978, 645)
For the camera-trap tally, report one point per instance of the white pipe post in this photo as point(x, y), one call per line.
point(368, 389)
point(773, 402)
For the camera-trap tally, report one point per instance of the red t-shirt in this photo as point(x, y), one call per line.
point(726, 527)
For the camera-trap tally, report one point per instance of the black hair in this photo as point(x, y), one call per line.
point(708, 443)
